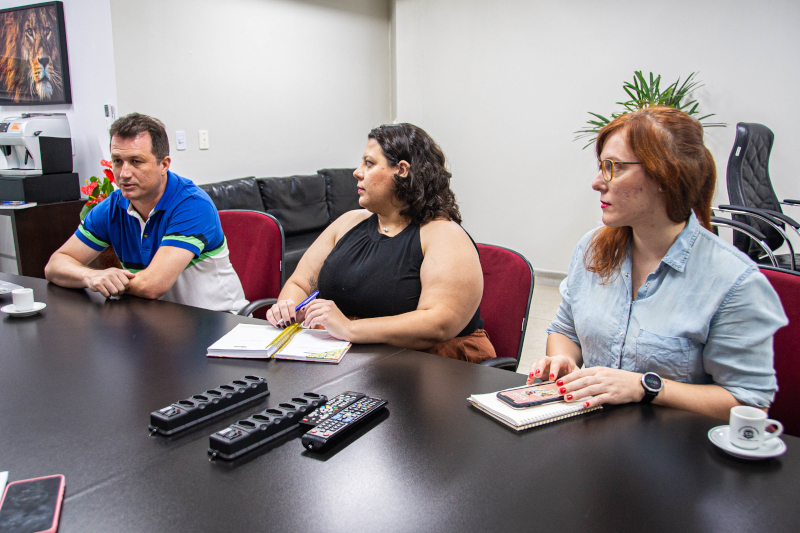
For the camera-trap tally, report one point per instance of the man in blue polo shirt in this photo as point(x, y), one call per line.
point(164, 229)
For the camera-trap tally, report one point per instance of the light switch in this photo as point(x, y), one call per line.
point(180, 140)
point(204, 139)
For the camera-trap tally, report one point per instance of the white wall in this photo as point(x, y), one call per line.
point(283, 86)
point(503, 85)
point(91, 64)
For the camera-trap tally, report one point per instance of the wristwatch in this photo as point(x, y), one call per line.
point(652, 384)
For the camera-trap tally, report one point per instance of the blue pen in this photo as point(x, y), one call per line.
point(301, 305)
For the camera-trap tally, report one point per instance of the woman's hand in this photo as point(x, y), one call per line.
point(325, 313)
point(284, 309)
point(556, 366)
point(606, 385)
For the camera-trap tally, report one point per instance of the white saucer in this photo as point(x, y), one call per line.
point(12, 310)
point(721, 439)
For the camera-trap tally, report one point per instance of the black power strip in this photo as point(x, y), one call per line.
point(263, 427)
point(186, 413)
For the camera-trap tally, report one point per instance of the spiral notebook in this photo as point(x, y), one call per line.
point(252, 341)
point(530, 417)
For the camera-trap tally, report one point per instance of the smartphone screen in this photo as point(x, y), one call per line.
point(30, 506)
point(531, 395)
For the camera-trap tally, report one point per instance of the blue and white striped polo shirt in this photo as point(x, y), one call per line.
point(185, 217)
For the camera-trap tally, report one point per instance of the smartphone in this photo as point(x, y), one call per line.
point(530, 395)
point(32, 505)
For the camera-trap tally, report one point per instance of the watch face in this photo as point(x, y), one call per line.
point(652, 381)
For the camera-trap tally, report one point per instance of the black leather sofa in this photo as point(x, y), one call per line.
point(304, 205)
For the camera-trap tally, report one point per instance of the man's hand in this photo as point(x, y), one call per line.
point(108, 282)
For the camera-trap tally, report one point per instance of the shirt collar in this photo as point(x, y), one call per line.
point(679, 252)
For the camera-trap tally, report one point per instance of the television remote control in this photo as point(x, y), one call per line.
point(332, 407)
point(341, 420)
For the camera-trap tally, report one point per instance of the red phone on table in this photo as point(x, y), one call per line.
point(32, 505)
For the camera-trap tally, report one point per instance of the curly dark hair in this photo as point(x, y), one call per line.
point(425, 191)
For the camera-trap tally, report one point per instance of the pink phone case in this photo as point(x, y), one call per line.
point(54, 526)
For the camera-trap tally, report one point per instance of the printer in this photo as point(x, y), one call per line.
point(38, 151)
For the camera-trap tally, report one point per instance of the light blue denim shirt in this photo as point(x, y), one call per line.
point(706, 315)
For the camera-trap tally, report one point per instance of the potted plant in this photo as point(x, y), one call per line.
point(645, 94)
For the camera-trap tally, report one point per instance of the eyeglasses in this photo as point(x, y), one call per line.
point(609, 167)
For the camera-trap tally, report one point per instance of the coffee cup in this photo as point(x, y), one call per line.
point(748, 427)
point(23, 299)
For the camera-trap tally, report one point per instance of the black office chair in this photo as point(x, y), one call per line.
point(752, 199)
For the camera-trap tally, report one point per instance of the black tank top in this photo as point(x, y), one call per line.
point(370, 275)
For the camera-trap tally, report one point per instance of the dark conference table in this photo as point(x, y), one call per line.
point(79, 380)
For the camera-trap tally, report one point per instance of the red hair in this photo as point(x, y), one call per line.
point(669, 143)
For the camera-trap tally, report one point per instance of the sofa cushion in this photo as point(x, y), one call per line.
point(342, 190)
point(235, 194)
point(298, 202)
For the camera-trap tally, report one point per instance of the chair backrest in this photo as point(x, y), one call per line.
point(786, 406)
point(507, 291)
point(255, 242)
point(749, 183)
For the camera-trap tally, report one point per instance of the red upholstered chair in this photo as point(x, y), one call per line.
point(786, 406)
point(507, 291)
point(255, 243)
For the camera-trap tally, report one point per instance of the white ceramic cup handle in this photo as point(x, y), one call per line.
point(777, 433)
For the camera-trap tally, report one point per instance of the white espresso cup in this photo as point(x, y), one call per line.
point(747, 427)
point(23, 299)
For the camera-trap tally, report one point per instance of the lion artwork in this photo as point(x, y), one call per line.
point(30, 58)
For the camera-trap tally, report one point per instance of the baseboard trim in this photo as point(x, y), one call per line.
point(550, 278)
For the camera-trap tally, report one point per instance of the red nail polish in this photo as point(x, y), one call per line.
point(530, 375)
point(562, 390)
point(586, 404)
point(538, 372)
point(560, 382)
point(552, 377)
point(569, 396)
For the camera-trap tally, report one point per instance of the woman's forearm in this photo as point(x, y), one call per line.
point(558, 344)
point(417, 330)
point(710, 400)
point(292, 291)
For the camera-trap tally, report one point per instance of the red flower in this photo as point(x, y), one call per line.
point(109, 175)
point(87, 189)
point(105, 163)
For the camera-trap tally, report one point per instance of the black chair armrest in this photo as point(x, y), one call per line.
point(506, 363)
point(754, 210)
point(739, 225)
point(753, 233)
point(777, 214)
point(787, 201)
point(252, 306)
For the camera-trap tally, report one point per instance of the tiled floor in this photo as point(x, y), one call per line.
point(544, 305)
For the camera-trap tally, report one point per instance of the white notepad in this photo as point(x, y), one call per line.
point(529, 417)
point(251, 341)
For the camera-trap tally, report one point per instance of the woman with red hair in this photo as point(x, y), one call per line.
point(655, 306)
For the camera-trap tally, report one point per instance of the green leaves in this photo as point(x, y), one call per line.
point(646, 93)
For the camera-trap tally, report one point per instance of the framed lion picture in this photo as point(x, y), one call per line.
point(34, 69)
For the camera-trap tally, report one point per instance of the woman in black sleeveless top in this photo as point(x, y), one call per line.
point(401, 271)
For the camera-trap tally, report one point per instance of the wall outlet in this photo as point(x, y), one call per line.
point(203, 139)
point(180, 140)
